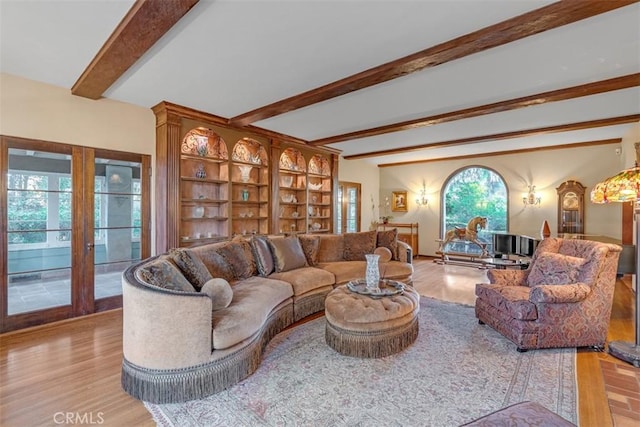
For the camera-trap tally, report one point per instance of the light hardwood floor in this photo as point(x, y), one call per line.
point(72, 368)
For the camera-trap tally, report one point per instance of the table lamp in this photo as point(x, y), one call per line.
point(624, 187)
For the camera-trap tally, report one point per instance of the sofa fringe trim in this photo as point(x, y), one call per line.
point(309, 305)
point(371, 344)
point(181, 385)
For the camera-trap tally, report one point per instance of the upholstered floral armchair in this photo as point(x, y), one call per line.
point(563, 299)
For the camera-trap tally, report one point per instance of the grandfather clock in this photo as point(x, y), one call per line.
point(571, 207)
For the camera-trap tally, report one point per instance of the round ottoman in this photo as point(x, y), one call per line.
point(361, 326)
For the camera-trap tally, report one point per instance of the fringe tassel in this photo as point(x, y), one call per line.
point(309, 305)
point(181, 385)
point(371, 344)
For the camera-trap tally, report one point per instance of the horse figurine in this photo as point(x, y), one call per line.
point(470, 233)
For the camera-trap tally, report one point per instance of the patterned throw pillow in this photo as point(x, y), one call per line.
point(216, 264)
point(164, 274)
point(220, 293)
point(388, 239)
point(356, 245)
point(191, 266)
point(287, 254)
point(234, 254)
point(263, 256)
point(551, 268)
point(310, 246)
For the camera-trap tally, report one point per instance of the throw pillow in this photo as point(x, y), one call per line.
point(388, 239)
point(551, 268)
point(287, 254)
point(220, 292)
point(310, 246)
point(164, 274)
point(234, 254)
point(384, 253)
point(262, 255)
point(356, 245)
point(191, 266)
point(217, 265)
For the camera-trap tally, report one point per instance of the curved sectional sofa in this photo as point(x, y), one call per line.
point(196, 320)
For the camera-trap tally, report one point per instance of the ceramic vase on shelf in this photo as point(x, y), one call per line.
point(245, 173)
point(201, 173)
point(372, 274)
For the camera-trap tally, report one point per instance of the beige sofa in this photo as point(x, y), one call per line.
point(196, 321)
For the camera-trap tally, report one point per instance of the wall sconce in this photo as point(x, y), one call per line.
point(422, 199)
point(531, 198)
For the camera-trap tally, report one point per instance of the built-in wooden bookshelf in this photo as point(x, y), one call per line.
point(215, 181)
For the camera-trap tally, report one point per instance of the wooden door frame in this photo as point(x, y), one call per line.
point(343, 185)
point(82, 296)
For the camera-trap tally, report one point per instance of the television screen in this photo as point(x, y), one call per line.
point(505, 243)
point(527, 246)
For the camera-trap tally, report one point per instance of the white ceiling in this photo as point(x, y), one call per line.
point(230, 57)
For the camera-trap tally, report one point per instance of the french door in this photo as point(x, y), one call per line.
point(73, 218)
point(348, 207)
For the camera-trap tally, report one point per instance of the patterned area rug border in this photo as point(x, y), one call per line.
point(456, 371)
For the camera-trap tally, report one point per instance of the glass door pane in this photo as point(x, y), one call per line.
point(39, 194)
point(117, 225)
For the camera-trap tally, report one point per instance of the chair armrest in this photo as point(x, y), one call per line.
point(508, 277)
point(574, 292)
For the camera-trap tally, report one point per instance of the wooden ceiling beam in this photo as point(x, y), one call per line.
point(543, 19)
point(507, 152)
point(145, 23)
point(616, 83)
point(612, 121)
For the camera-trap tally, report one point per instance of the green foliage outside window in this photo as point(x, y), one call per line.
point(472, 192)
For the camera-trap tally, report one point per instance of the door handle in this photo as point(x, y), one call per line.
point(90, 246)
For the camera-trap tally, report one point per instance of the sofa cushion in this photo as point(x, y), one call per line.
point(191, 266)
point(310, 246)
point(384, 254)
point(552, 268)
point(345, 271)
point(356, 245)
point(331, 248)
point(220, 292)
point(305, 279)
point(237, 253)
point(164, 274)
point(388, 239)
point(287, 254)
point(263, 256)
point(253, 301)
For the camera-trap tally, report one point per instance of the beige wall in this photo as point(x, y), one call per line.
point(544, 169)
point(30, 109)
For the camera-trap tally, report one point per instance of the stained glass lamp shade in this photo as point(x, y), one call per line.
point(624, 187)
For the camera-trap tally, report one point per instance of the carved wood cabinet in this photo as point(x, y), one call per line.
point(571, 207)
point(214, 181)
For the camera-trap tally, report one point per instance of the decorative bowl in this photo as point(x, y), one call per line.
point(198, 212)
point(315, 187)
point(286, 180)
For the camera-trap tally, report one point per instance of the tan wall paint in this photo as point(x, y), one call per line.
point(35, 110)
point(544, 169)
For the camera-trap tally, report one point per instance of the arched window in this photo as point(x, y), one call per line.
point(470, 192)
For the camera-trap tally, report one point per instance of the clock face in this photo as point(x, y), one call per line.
point(570, 201)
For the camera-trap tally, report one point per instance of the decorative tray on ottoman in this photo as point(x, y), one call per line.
point(386, 288)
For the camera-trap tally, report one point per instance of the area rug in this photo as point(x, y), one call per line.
point(456, 371)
